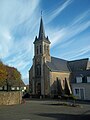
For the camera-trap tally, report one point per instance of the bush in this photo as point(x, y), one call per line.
point(71, 97)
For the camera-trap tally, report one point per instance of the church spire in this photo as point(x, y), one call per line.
point(41, 30)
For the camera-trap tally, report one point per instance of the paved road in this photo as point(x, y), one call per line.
point(44, 110)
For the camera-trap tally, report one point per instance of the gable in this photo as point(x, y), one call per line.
point(88, 65)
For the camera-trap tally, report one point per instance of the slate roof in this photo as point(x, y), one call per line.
point(83, 74)
point(78, 65)
point(41, 36)
point(41, 30)
point(58, 65)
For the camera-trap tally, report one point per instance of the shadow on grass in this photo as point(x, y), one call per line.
point(61, 116)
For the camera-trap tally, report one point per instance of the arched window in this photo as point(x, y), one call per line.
point(38, 70)
point(37, 49)
point(40, 49)
point(44, 48)
point(48, 49)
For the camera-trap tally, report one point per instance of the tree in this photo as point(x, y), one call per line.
point(13, 76)
point(9, 75)
point(3, 74)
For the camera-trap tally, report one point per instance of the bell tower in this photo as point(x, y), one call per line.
point(42, 44)
point(41, 55)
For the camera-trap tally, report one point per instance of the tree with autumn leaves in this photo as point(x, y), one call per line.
point(10, 74)
point(3, 74)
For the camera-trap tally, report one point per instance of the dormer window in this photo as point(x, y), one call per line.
point(78, 79)
point(88, 79)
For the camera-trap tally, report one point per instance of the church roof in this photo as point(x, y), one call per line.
point(58, 65)
point(41, 36)
point(41, 30)
point(78, 65)
point(62, 65)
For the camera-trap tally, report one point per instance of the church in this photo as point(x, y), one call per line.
point(48, 75)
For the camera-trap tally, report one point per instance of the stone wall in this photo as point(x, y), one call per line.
point(10, 98)
point(60, 75)
point(47, 80)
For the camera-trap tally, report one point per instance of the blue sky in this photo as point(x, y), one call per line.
point(66, 22)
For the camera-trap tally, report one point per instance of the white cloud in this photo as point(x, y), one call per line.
point(18, 17)
point(76, 29)
point(76, 48)
point(5, 42)
point(57, 35)
point(71, 30)
point(66, 37)
point(57, 11)
point(79, 19)
point(15, 14)
point(80, 52)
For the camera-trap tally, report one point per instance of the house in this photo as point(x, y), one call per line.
point(16, 86)
point(80, 78)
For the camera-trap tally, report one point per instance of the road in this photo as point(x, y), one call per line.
point(44, 110)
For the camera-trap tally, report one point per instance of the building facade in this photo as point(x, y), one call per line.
point(49, 76)
point(80, 78)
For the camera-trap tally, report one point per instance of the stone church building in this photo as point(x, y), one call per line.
point(49, 76)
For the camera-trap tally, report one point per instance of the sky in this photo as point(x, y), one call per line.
point(66, 23)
